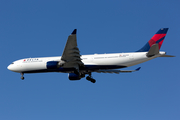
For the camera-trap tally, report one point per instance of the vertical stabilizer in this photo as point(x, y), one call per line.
point(158, 38)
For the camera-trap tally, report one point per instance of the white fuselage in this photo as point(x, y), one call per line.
point(34, 65)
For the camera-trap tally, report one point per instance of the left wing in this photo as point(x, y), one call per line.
point(71, 54)
point(117, 71)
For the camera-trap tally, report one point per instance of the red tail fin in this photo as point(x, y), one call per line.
point(158, 38)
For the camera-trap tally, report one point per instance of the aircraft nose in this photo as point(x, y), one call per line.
point(9, 67)
point(12, 67)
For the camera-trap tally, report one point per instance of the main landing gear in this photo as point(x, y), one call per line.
point(22, 76)
point(89, 78)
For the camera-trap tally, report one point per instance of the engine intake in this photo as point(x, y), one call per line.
point(52, 65)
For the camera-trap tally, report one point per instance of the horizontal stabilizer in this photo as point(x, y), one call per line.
point(154, 50)
point(167, 56)
point(117, 71)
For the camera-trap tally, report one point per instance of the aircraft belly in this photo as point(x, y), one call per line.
point(137, 59)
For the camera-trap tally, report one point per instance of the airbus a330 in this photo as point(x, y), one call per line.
point(78, 66)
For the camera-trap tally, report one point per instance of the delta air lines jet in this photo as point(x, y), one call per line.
point(78, 66)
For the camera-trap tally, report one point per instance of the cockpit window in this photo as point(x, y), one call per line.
point(12, 63)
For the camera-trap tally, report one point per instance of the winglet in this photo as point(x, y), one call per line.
point(138, 68)
point(74, 32)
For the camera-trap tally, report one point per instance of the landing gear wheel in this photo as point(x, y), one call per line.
point(22, 76)
point(93, 80)
point(90, 79)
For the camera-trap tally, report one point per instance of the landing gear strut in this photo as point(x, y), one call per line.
point(22, 76)
point(89, 78)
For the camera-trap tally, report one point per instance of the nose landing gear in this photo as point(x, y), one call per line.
point(22, 76)
point(89, 78)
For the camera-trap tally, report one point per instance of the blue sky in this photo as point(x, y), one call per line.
point(40, 28)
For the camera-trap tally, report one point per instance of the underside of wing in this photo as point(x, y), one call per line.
point(117, 71)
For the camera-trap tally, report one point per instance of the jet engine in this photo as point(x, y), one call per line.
point(73, 76)
point(52, 65)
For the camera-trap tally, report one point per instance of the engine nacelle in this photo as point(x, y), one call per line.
point(52, 65)
point(73, 76)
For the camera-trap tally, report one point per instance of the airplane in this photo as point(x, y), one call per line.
point(78, 66)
